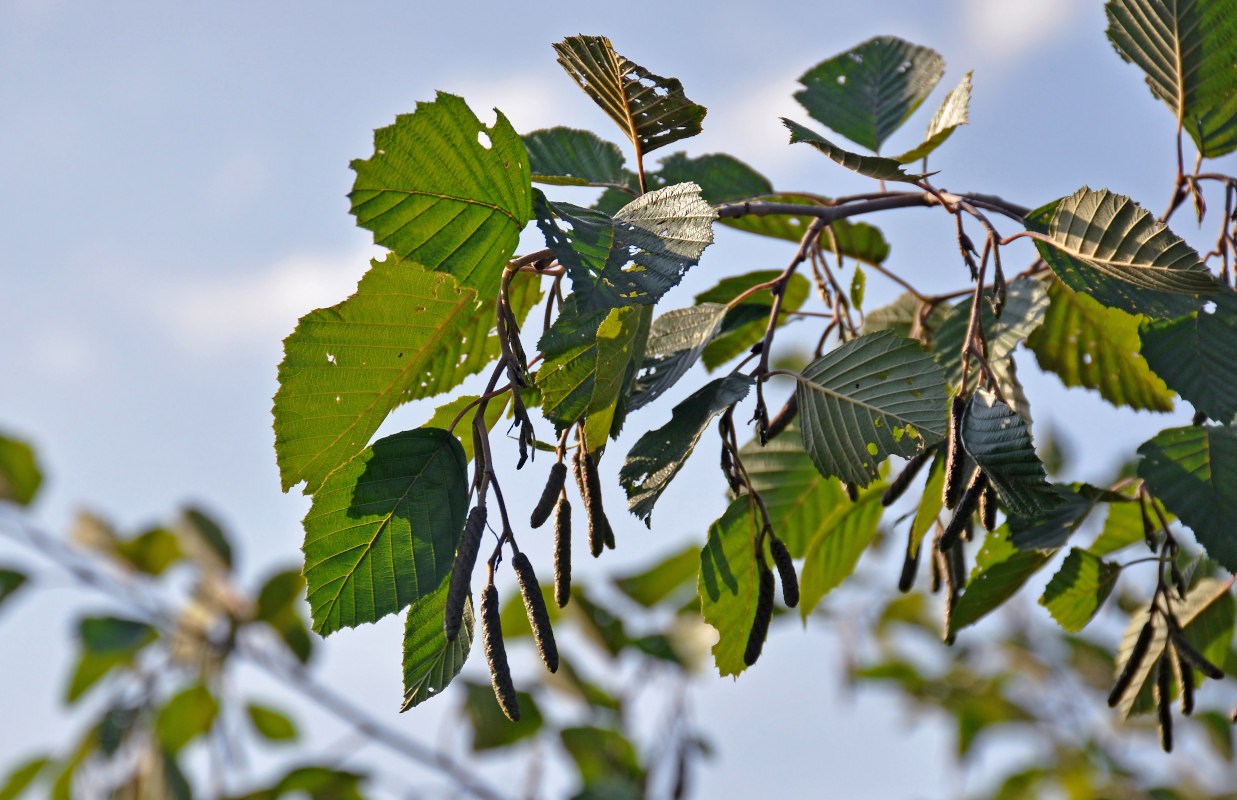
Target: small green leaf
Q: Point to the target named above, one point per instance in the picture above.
(10, 581)
(883, 169)
(1122, 527)
(189, 714)
(607, 761)
(658, 455)
(279, 606)
(205, 539)
(1197, 356)
(567, 157)
(314, 783)
(620, 340)
(430, 661)
(1079, 589)
(382, 530)
(650, 586)
(833, 553)
(858, 283)
(433, 194)
(151, 552)
(999, 440)
(1193, 471)
(21, 777)
(931, 502)
(1000, 571)
(270, 724)
(490, 727)
(866, 93)
(1088, 344)
(20, 475)
(676, 341)
(727, 585)
(951, 114)
(880, 390)
(900, 317)
(107, 643)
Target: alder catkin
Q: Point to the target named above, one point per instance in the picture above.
(988, 508)
(538, 614)
(562, 552)
(785, 571)
(1187, 683)
(962, 514)
(1190, 654)
(600, 534)
(461, 572)
(955, 456)
(496, 654)
(1164, 703)
(908, 473)
(1137, 652)
(549, 495)
(764, 615)
(910, 564)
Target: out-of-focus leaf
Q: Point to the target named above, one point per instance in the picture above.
(205, 539)
(1197, 356)
(744, 325)
(676, 340)
(279, 604)
(882, 169)
(490, 727)
(899, 317)
(315, 783)
(568, 157)
(1079, 588)
(999, 440)
(151, 552)
(189, 714)
(604, 757)
(382, 530)
(430, 661)
(1088, 344)
(727, 586)
(866, 93)
(650, 586)
(20, 475)
(433, 194)
(10, 581)
(271, 725)
(872, 397)
(1193, 471)
(107, 643)
(22, 776)
(833, 553)
(951, 113)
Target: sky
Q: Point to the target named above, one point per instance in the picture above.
(173, 183)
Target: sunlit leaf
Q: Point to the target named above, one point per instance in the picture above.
(999, 440)
(1000, 571)
(834, 551)
(621, 339)
(569, 371)
(433, 194)
(866, 93)
(932, 501)
(430, 661)
(382, 530)
(271, 725)
(727, 586)
(744, 325)
(20, 475)
(883, 169)
(1122, 527)
(568, 157)
(951, 114)
(445, 414)
(872, 397)
(21, 777)
(676, 341)
(1079, 588)
(650, 586)
(189, 714)
(1197, 356)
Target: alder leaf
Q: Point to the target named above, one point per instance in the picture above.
(744, 324)
(900, 315)
(1122, 527)
(866, 93)
(654, 584)
(833, 552)
(1088, 344)
(382, 530)
(10, 581)
(1025, 304)
(1197, 356)
(621, 337)
(883, 169)
(430, 661)
(951, 114)
(432, 193)
(658, 455)
(1193, 471)
(727, 584)
(651, 110)
(1079, 588)
(568, 157)
(20, 475)
(999, 440)
(676, 340)
(407, 333)
(444, 415)
(857, 240)
(872, 397)
(1000, 571)
(1108, 246)
(1187, 49)
(721, 178)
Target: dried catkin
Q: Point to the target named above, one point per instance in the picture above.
(538, 614)
(910, 564)
(1137, 652)
(988, 508)
(549, 495)
(785, 571)
(955, 456)
(1190, 654)
(764, 615)
(1164, 704)
(962, 514)
(1187, 683)
(496, 654)
(461, 572)
(908, 473)
(562, 552)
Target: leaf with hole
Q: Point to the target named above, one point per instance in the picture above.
(999, 440)
(1197, 355)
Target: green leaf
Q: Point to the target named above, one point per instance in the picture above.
(433, 194)
(932, 501)
(857, 240)
(1193, 471)
(20, 475)
(1108, 246)
(1079, 589)
(1197, 356)
(279, 604)
(637, 255)
(445, 414)
(568, 157)
(999, 440)
(490, 727)
(189, 714)
(676, 340)
(866, 93)
(1122, 527)
(605, 758)
(650, 586)
(1187, 49)
(1087, 344)
(151, 552)
(315, 783)
(569, 371)
(872, 397)
(382, 530)
(1025, 304)
(430, 661)
(407, 333)
(727, 585)
(1053, 528)
(833, 552)
(10, 581)
(107, 643)
(883, 169)
(21, 777)
(900, 315)
(658, 455)
(744, 325)
(802, 503)
(270, 724)
(621, 338)
(858, 283)
(1000, 571)
(651, 110)
(951, 114)
(205, 539)
(721, 178)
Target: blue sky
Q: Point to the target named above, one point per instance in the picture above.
(172, 199)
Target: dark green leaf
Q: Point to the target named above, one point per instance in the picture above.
(872, 397)
(883, 169)
(1000, 571)
(857, 240)
(658, 455)
(430, 661)
(20, 475)
(1025, 303)
(114, 635)
(271, 724)
(999, 440)
(1193, 471)
(189, 714)
(382, 530)
(721, 178)
(10, 581)
(727, 585)
(490, 727)
(1087, 344)
(866, 93)
(1079, 589)
(206, 539)
(650, 586)
(1053, 528)
(1187, 49)
(568, 157)
(602, 756)
(279, 606)
(1197, 356)
(951, 114)
(744, 325)
(834, 551)
(676, 341)
(433, 194)
(651, 110)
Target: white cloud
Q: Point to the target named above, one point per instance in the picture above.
(1007, 29)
